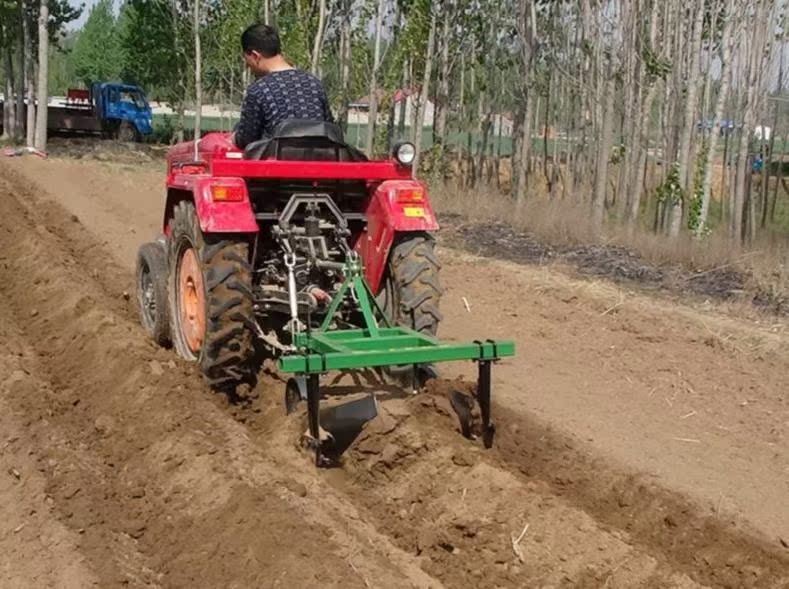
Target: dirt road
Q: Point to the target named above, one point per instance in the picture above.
(642, 442)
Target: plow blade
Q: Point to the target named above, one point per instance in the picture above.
(349, 415)
(344, 422)
(378, 344)
(338, 426)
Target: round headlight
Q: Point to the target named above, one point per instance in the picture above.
(405, 153)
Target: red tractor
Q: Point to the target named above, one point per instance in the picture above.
(301, 244)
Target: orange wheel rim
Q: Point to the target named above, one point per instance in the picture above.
(191, 298)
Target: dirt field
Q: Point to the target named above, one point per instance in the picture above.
(641, 442)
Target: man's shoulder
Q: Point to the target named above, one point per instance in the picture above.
(294, 74)
(284, 80)
(257, 86)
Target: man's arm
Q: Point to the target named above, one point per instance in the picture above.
(250, 126)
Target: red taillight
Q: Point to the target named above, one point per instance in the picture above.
(409, 195)
(222, 193)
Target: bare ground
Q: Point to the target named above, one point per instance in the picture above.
(724, 282)
(641, 443)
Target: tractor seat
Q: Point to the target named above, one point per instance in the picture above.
(304, 140)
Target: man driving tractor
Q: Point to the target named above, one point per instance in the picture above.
(280, 91)
(288, 243)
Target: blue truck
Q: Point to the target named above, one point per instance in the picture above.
(118, 111)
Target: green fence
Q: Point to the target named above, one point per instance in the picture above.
(356, 134)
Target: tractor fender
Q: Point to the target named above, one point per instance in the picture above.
(215, 216)
(389, 215)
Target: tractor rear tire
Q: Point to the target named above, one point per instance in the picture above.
(412, 290)
(410, 296)
(211, 301)
(152, 298)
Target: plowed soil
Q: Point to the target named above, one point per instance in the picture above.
(640, 442)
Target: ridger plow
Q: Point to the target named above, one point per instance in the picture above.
(302, 247)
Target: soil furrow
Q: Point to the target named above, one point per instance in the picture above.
(151, 480)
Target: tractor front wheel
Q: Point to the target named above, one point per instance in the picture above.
(211, 302)
(152, 292)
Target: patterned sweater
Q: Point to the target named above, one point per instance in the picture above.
(287, 94)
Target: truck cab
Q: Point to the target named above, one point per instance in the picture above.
(122, 108)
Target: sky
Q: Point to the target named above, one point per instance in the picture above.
(81, 20)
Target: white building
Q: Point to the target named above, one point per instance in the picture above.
(358, 111)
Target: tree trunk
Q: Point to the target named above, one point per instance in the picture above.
(759, 47)
(726, 158)
(641, 132)
(603, 153)
(706, 100)
(479, 159)
(546, 173)
(778, 177)
(723, 95)
(498, 151)
(442, 102)
(768, 163)
(317, 47)
(528, 32)
(416, 103)
(180, 122)
(198, 72)
(42, 91)
(693, 77)
(630, 131)
(19, 86)
(484, 131)
(181, 81)
(424, 93)
(740, 184)
(462, 97)
(345, 64)
(30, 124)
(750, 211)
(730, 174)
(390, 126)
(372, 114)
(9, 105)
(403, 101)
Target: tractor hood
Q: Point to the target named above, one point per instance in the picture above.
(209, 146)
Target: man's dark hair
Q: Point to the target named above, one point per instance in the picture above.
(261, 38)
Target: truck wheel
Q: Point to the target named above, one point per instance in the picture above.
(411, 288)
(127, 133)
(152, 292)
(211, 301)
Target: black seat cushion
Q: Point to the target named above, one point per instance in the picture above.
(304, 140)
